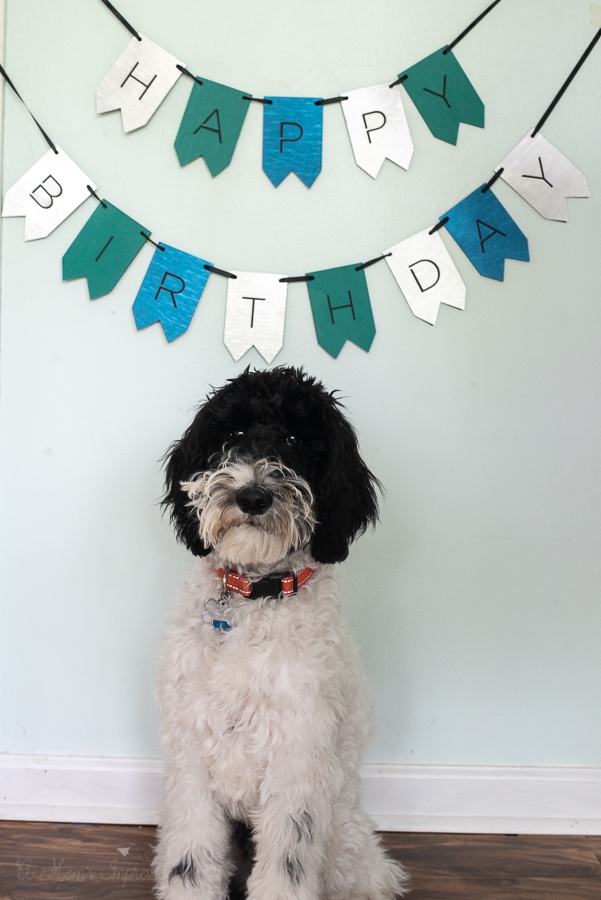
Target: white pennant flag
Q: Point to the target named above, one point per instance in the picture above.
(426, 274)
(543, 176)
(49, 192)
(138, 82)
(377, 126)
(255, 314)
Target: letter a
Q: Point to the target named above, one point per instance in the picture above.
(217, 130)
(486, 236)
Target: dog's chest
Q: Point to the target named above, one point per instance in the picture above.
(264, 691)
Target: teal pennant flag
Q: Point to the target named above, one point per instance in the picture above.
(341, 308)
(444, 95)
(171, 290)
(486, 233)
(104, 248)
(211, 125)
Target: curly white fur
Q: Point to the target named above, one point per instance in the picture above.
(267, 724)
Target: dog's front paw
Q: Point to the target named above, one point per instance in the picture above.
(294, 887)
(185, 881)
(178, 890)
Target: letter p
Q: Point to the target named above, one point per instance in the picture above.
(289, 140)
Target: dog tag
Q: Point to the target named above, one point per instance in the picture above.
(219, 614)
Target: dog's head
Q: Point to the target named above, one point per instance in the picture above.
(269, 465)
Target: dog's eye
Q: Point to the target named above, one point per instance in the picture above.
(277, 474)
(292, 440)
(236, 435)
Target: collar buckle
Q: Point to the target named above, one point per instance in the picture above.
(278, 585)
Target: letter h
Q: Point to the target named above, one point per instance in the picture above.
(348, 305)
(131, 75)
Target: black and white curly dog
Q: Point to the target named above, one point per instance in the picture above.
(263, 700)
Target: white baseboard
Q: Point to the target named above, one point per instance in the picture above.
(484, 800)
(461, 799)
(80, 789)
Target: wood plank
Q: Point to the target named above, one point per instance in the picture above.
(466, 888)
(595, 844)
(494, 856)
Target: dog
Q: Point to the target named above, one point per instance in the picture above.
(263, 701)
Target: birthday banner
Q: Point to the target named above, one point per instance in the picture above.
(341, 306)
(143, 75)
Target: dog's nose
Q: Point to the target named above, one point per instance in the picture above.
(254, 500)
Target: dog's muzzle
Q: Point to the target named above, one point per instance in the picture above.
(252, 512)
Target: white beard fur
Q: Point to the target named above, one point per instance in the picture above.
(258, 543)
(267, 724)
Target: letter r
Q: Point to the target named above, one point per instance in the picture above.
(171, 290)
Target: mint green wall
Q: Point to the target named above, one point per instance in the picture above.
(476, 602)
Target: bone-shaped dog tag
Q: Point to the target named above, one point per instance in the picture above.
(219, 614)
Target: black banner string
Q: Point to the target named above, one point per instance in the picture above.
(217, 271)
(293, 279)
(95, 195)
(150, 241)
(259, 100)
(495, 177)
(185, 71)
(121, 18)
(330, 100)
(371, 262)
(454, 43)
(4, 74)
(566, 83)
(469, 27)
(440, 225)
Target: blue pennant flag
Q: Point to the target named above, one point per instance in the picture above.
(292, 138)
(486, 233)
(171, 290)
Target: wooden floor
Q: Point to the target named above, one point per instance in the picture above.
(112, 862)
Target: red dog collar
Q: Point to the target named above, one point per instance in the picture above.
(285, 585)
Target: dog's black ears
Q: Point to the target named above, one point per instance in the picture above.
(345, 496)
(187, 457)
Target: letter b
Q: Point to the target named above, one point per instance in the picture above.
(43, 201)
